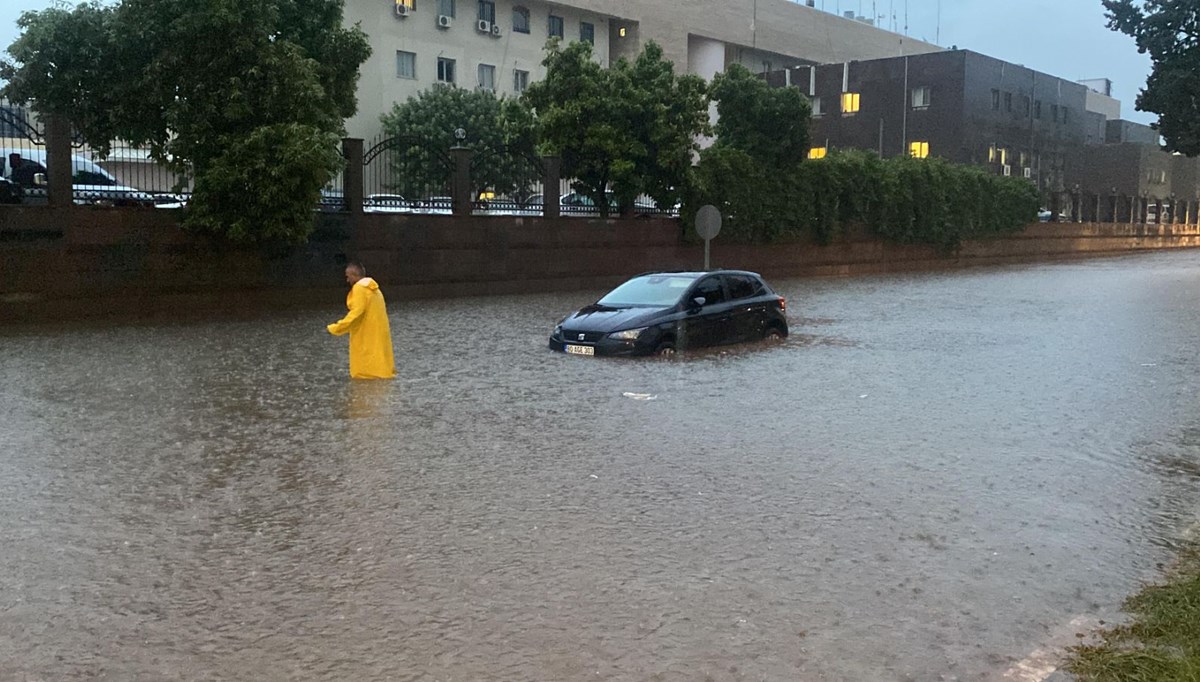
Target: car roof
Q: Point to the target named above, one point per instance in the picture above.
(696, 274)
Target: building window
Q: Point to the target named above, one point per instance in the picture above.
(1054, 112)
(487, 11)
(817, 109)
(920, 97)
(408, 5)
(918, 150)
(520, 20)
(996, 100)
(766, 66)
(556, 26)
(1008, 101)
(487, 77)
(850, 102)
(445, 8)
(1037, 109)
(587, 32)
(818, 152)
(992, 153)
(406, 64)
(1066, 113)
(520, 80)
(1025, 106)
(445, 70)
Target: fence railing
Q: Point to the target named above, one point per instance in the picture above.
(404, 174)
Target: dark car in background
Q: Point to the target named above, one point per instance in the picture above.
(659, 313)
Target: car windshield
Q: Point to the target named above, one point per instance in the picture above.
(648, 290)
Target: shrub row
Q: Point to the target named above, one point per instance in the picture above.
(911, 201)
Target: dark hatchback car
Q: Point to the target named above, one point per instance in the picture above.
(658, 313)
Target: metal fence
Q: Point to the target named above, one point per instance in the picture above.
(577, 204)
(406, 175)
(507, 181)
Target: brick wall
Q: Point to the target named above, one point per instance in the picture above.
(73, 263)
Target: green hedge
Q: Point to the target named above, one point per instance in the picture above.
(911, 201)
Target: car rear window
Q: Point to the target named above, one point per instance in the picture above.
(655, 290)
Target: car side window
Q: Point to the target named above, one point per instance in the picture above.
(710, 289)
(741, 286)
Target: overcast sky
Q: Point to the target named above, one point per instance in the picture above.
(1065, 38)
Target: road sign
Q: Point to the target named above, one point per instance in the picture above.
(708, 225)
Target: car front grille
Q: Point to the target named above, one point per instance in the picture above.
(572, 336)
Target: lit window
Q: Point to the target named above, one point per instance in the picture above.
(918, 150)
(487, 77)
(406, 64)
(445, 72)
(520, 20)
(621, 32)
(850, 102)
(446, 8)
(1003, 156)
(587, 32)
(818, 152)
(920, 98)
(817, 110)
(408, 5)
(520, 80)
(992, 154)
(556, 26)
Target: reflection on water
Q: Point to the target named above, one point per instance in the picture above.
(932, 473)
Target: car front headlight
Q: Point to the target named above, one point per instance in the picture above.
(628, 334)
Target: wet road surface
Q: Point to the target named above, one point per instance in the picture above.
(935, 475)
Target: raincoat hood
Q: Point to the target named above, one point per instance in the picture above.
(368, 282)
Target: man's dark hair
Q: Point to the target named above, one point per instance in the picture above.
(357, 267)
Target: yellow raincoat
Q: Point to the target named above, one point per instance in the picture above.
(370, 336)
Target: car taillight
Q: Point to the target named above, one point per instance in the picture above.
(783, 304)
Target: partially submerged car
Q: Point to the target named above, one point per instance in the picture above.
(660, 313)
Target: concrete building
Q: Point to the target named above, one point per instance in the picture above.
(959, 105)
(498, 44)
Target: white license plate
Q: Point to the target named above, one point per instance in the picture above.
(580, 350)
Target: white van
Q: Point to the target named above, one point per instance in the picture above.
(92, 185)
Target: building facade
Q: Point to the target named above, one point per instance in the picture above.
(955, 104)
(499, 44)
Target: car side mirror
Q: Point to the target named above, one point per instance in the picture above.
(697, 303)
(39, 180)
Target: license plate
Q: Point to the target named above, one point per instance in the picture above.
(580, 350)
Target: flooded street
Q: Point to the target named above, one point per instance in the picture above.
(930, 479)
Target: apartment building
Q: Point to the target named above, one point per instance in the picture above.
(499, 44)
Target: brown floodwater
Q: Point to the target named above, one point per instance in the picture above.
(929, 480)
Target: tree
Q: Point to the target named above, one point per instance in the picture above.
(630, 129)
(499, 130)
(1169, 31)
(769, 124)
(751, 170)
(202, 83)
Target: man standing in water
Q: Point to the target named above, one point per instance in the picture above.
(367, 324)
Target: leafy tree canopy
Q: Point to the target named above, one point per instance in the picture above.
(629, 129)
(769, 124)
(193, 80)
(499, 130)
(1169, 31)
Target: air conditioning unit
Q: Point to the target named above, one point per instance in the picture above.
(1007, 170)
(1027, 172)
(444, 21)
(496, 30)
(484, 26)
(402, 10)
